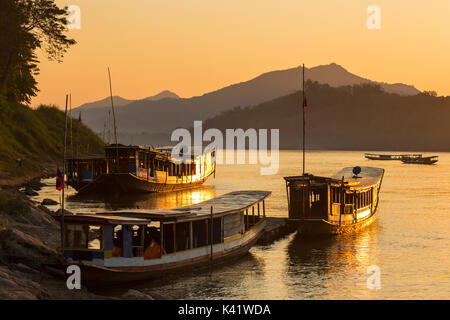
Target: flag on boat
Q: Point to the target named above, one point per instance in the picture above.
(305, 103)
(59, 180)
(79, 118)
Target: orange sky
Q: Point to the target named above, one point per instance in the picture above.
(195, 46)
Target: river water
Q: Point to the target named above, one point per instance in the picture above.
(409, 242)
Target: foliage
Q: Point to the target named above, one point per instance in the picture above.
(37, 136)
(28, 25)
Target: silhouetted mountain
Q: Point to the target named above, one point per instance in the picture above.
(163, 95)
(359, 117)
(164, 115)
(119, 101)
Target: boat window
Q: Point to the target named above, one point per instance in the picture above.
(117, 241)
(315, 197)
(168, 237)
(182, 236)
(137, 241)
(95, 237)
(152, 242)
(142, 158)
(79, 236)
(200, 233)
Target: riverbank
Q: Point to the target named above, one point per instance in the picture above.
(29, 237)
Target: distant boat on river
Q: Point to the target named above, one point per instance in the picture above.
(376, 156)
(421, 160)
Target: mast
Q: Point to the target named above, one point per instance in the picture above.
(71, 127)
(64, 175)
(303, 107)
(114, 119)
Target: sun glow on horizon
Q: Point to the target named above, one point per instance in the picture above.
(195, 47)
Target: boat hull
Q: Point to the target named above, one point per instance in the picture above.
(320, 227)
(128, 183)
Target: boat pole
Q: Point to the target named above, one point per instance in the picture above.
(114, 119)
(303, 107)
(63, 174)
(211, 234)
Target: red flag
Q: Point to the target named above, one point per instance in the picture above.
(79, 118)
(305, 103)
(59, 180)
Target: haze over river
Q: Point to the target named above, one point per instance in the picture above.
(409, 241)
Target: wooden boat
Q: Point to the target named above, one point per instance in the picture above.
(133, 169)
(376, 156)
(420, 160)
(133, 245)
(342, 203)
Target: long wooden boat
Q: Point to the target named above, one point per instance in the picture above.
(132, 169)
(376, 156)
(421, 160)
(132, 245)
(333, 205)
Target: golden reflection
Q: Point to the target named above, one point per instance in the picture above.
(163, 200)
(337, 265)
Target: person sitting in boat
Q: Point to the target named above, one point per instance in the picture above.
(117, 244)
(152, 244)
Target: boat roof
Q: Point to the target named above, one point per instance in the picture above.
(393, 154)
(368, 177)
(231, 202)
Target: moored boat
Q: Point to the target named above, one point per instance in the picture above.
(377, 156)
(420, 160)
(342, 203)
(131, 245)
(134, 169)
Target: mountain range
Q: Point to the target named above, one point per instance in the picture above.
(147, 117)
(358, 117)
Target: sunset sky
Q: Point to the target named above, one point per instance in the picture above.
(196, 46)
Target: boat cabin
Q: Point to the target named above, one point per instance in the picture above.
(85, 168)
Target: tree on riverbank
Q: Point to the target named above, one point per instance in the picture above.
(28, 25)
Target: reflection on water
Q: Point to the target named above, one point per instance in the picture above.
(97, 202)
(409, 241)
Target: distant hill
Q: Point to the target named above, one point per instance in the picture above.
(37, 137)
(154, 117)
(119, 101)
(359, 117)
